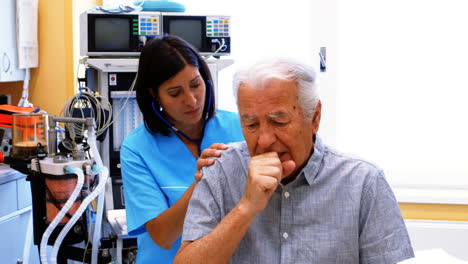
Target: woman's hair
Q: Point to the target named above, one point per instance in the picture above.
(261, 73)
(161, 59)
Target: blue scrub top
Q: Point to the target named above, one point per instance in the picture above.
(157, 170)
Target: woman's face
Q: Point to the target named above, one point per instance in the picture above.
(183, 97)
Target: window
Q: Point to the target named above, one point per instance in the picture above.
(403, 88)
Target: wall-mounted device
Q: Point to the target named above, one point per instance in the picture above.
(124, 34)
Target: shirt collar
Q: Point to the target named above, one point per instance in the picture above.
(311, 170)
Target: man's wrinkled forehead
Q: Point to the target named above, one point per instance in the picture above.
(274, 91)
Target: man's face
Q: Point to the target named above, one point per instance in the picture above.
(273, 120)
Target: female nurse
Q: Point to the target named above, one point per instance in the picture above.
(159, 159)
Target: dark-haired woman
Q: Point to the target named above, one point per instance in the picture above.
(159, 158)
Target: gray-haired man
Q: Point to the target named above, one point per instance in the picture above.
(283, 196)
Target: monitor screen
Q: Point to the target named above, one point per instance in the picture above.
(112, 34)
(188, 29)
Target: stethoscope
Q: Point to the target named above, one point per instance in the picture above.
(175, 130)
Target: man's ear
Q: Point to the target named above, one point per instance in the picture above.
(317, 117)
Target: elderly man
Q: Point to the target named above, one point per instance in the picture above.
(283, 196)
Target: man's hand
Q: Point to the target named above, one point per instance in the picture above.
(204, 159)
(265, 173)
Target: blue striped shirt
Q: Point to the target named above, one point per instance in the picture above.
(339, 209)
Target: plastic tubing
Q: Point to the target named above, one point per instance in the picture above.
(99, 189)
(61, 214)
(100, 204)
(94, 150)
(99, 213)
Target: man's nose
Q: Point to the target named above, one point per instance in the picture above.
(266, 137)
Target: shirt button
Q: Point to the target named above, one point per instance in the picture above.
(285, 235)
(286, 194)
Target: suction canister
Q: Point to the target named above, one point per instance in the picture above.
(28, 134)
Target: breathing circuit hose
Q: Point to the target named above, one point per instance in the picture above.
(61, 214)
(99, 189)
(100, 203)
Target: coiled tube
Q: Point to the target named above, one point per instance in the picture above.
(61, 214)
(99, 190)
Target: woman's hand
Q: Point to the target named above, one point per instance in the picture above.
(204, 159)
